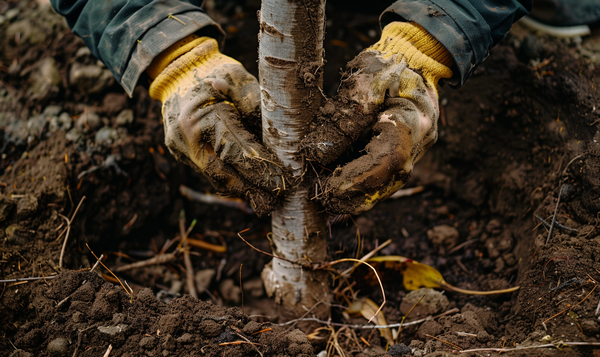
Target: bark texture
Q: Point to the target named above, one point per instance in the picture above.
(290, 66)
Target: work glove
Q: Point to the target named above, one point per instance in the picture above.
(390, 87)
(208, 102)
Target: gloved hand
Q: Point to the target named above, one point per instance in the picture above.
(390, 87)
(205, 96)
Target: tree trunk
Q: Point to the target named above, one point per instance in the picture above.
(290, 74)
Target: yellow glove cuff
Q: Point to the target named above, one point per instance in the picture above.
(178, 68)
(418, 47)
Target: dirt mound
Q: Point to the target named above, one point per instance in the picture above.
(87, 315)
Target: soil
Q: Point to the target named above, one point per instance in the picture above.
(519, 140)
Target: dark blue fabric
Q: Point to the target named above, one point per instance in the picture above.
(467, 28)
(116, 31)
(127, 34)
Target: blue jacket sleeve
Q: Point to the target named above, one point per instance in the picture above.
(128, 34)
(467, 28)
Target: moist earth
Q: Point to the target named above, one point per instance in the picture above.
(518, 141)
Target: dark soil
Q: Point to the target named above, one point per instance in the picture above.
(522, 131)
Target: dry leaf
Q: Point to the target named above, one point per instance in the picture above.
(367, 309)
(417, 275)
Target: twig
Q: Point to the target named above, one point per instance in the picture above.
(370, 267)
(97, 262)
(199, 243)
(17, 280)
(558, 225)
(193, 195)
(107, 353)
(564, 172)
(339, 324)
(462, 245)
(466, 334)
(157, 260)
(81, 332)
(266, 253)
(189, 267)
(557, 345)
(446, 342)
(570, 308)
(555, 212)
(68, 230)
(407, 192)
(367, 257)
(409, 311)
(237, 332)
(241, 288)
(129, 292)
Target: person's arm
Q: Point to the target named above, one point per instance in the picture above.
(467, 28)
(126, 35)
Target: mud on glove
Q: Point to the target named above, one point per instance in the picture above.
(205, 97)
(390, 87)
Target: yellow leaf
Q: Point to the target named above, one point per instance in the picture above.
(417, 275)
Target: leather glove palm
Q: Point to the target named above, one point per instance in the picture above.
(390, 87)
(205, 95)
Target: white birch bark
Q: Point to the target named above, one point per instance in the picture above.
(290, 75)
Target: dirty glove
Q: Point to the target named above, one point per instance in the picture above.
(205, 96)
(390, 87)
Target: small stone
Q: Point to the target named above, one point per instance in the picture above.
(2, 20)
(204, 278)
(229, 291)
(11, 14)
(400, 350)
(77, 317)
(252, 327)
(30, 33)
(58, 347)
(499, 265)
(185, 338)
(48, 74)
(433, 303)
(36, 126)
(90, 78)
(74, 135)
(88, 122)
(147, 342)
(112, 330)
(170, 343)
(52, 110)
(254, 288)
(62, 122)
(15, 234)
(590, 327)
(125, 117)
(83, 51)
(444, 236)
(106, 136)
(26, 206)
(494, 226)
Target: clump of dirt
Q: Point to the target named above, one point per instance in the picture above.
(88, 315)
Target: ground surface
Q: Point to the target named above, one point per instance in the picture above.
(523, 129)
